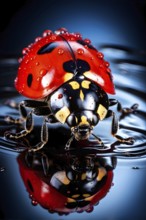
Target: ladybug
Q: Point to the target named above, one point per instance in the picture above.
(66, 80)
(65, 187)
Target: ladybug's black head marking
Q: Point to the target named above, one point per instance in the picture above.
(82, 66)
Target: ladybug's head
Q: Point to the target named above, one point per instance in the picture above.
(82, 132)
(82, 124)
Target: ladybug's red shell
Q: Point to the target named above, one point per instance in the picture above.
(42, 69)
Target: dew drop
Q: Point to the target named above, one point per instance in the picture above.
(25, 51)
(30, 196)
(80, 51)
(27, 61)
(100, 55)
(61, 31)
(87, 41)
(47, 33)
(30, 45)
(43, 72)
(106, 64)
(37, 63)
(37, 39)
(60, 51)
(60, 96)
(108, 70)
(34, 202)
(78, 35)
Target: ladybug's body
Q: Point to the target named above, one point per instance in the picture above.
(68, 79)
(81, 104)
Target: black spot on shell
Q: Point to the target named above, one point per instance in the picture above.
(47, 48)
(84, 43)
(29, 80)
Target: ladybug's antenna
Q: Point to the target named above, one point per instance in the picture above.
(72, 53)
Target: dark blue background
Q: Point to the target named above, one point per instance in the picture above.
(112, 22)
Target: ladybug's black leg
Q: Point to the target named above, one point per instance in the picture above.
(28, 128)
(33, 103)
(45, 111)
(124, 111)
(44, 139)
(42, 111)
(20, 120)
(98, 139)
(39, 108)
(114, 130)
(67, 146)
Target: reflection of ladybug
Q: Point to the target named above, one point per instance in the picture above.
(69, 81)
(66, 188)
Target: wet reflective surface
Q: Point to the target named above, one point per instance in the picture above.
(87, 180)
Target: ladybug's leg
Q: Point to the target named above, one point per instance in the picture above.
(98, 139)
(28, 128)
(114, 130)
(22, 109)
(33, 103)
(20, 120)
(67, 146)
(124, 111)
(44, 139)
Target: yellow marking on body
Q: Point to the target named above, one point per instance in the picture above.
(83, 176)
(68, 76)
(75, 196)
(62, 114)
(61, 176)
(70, 200)
(85, 84)
(86, 195)
(89, 198)
(102, 111)
(75, 84)
(84, 120)
(81, 95)
(101, 173)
